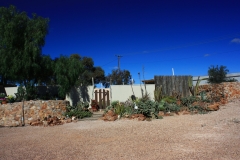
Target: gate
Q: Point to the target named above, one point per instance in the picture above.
(102, 98)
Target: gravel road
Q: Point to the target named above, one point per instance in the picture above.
(215, 135)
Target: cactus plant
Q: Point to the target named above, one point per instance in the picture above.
(194, 89)
(158, 94)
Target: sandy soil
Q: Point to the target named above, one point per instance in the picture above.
(211, 136)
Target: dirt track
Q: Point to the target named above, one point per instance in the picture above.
(210, 136)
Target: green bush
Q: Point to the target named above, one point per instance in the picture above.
(11, 99)
(77, 111)
(172, 107)
(217, 74)
(161, 105)
(114, 103)
(21, 92)
(128, 110)
(186, 101)
(82, 105)
(119, 110)
(148, 108)
(169, 99)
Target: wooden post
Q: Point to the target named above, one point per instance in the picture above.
(108, 101)
(104, 95)
(96, 97)
(23, 119)
(100, 98)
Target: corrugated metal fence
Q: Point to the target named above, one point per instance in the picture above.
(173, 84)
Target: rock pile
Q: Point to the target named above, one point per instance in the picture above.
(223, 92)
(110, 116)
(52, 121)
(11, 113)
(139, 117)
(213, 107)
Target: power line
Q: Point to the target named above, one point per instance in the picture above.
(177, 47)
(186, 45)
(181, 58)
(118, 56)
(108, 62)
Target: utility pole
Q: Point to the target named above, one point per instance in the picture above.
(118, 61)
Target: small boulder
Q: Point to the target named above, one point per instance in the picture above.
(161, 113)
(142, 118)
(213, 107)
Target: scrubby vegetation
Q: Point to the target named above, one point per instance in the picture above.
(79, 111)
(166, 105)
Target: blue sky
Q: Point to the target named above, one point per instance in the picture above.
(156, 35)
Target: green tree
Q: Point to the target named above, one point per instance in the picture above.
(46, 77)
(217, 74)
(75, 55)
(67, 72)
(97, 73)
(21, 42)
(118, 77)
(11, 30)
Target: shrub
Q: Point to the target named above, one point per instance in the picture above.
(128, 110)
(161, 106)
(77, 111)
(169, 99)
(148, 108)
(172, 107)
(217, 74)
(21, 92)
(129, 103)
(83, 105)
(11, 98)
(146, 97)
(186, 101)
(119, 109)
(158, 94)
(114, 103)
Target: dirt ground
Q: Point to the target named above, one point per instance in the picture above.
(215, 135)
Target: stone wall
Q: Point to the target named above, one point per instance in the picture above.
(227, 91)
(11, 113)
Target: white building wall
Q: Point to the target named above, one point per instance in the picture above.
(123, 92)
(11, 90)
(117, 92)
(80, 94)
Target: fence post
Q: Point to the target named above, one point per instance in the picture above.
(108, 101)
(104, 95)
(96, 97)
(100, 98)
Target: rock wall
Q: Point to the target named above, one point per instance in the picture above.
(226, 91)
(11, 113)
